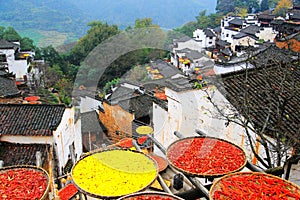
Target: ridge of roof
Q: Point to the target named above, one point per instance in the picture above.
(30, 120)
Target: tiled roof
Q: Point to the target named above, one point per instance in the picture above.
(242, 35)
(209, 33)
(266, 16)
(183, 50)
(265, 93)
(30, 120)
(120, 94)
(236, 21)
(22, 154)
(179, 84)
(90, 122)
(194, 55)
(183, 39)
(8, 88)
(251, 30)
(222, 43)
(7, 45)
(217, 29)
(166, 69)
(295, 36)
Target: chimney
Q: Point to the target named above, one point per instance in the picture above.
(38, 156)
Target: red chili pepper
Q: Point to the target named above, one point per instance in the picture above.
(125, 143)
(22, 184)
(149, 197)
(246, 186)
(67, 192)
(141, 140)
(206, 156)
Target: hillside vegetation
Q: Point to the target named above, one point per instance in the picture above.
(56, 22)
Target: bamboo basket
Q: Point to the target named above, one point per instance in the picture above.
(149, 195)
(201, 175)
(115, 196)
(217, 184)
(31, 167)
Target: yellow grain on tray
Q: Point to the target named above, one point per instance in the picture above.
(114, 173)
(144, 130)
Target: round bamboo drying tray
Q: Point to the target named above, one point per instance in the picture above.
(178, 144)
(217, 186)
(101, 194)
(150, 195)
(30, 167)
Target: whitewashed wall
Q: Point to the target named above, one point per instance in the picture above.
(27, 139)
(205, 41)
(190, 110)
(88, 104)
(227, 34)
(245, 41)
(190, 44)
(65, 135)
(267, 34)
(19, 67)
(10, 55)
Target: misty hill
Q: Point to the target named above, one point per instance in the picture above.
(166, 13)
(61, 21)
(40, 19)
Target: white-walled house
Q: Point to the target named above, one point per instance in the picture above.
(88, 104)
(42, 124)
(266, 34)
(231, 26)
(186, 42)
(18, 62)
(251, 19)
(206, 37)
(188, 110)
(241, 40)
(180, 45)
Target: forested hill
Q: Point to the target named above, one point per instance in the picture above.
(43, 19)
(58, 21)
(166, 13)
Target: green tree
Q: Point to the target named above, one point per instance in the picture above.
(144, 23)
(251, 5)
(264, 5)
(187, 29)
(229, 6)
(64, 87)
(11, 34)
(202, 21)
(225, 6)
(282, 7)
(2, 29)
(97, 33)
(27, 43)
(50, 55)
(273, 3)
(243, 12)
(52, 75)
